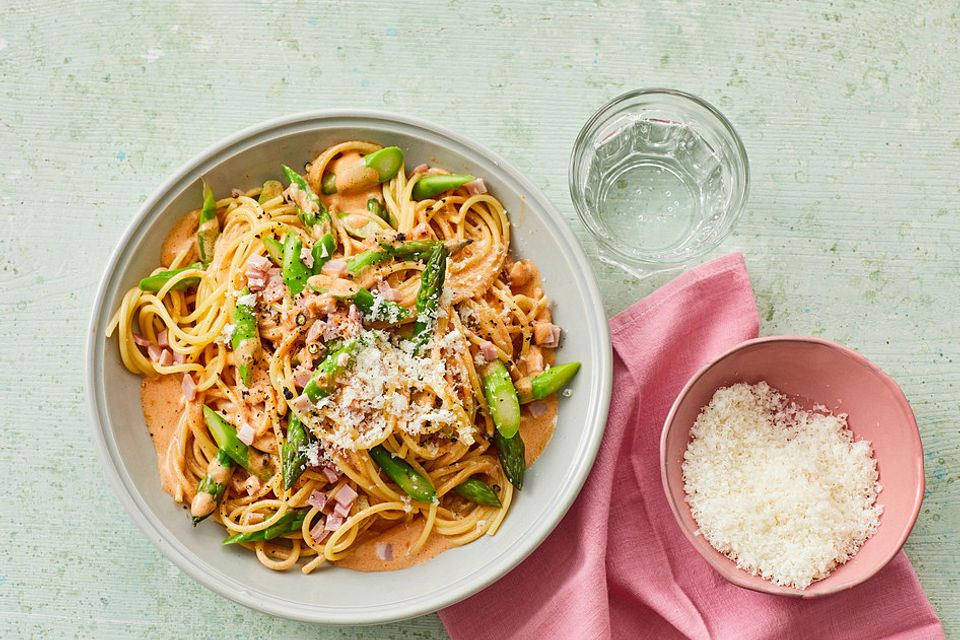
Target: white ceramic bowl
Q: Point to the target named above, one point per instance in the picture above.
(337, 595)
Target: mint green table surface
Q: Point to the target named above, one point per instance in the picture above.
(849, 113)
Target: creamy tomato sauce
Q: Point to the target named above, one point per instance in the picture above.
(355, 184)
(182, 236)
(160, 398)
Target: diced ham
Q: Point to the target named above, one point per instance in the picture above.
(236, 483)
(534, 361)
(154, 352)
(315, 332)
(255, 275)
(336, 268)
(388, 293)
(475, 187)
(140, 340)
(162, 339)
(393, 295)
(331, 331)
(274, 289)
(334, 521)
(317, 304)
(301, 404)
(384, 551)
(354, 315)
(318, 499)
(166, 358)
(188, 387)
(538, 408)
(332, 473)
(346, 496)
(421, 167)
(319, 531)
(252, 518)
(301, 376)
(306, 258)
(257, 262)
(488, 351)
(524, 386)
(341, 510)
(246, 434)
(252, 485)
(520, 273)
(179, 358)
(256, 270)
(546, 334)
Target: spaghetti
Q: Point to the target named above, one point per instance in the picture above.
(316, 329)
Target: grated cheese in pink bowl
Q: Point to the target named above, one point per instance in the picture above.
(785, 493)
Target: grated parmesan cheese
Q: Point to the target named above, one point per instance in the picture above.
(785, 493)
(226, 334)
(377, 394)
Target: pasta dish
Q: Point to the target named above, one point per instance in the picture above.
(347, 366)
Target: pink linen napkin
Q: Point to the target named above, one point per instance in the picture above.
(617, 565)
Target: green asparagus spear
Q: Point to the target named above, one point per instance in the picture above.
(209, 227)
(293, 452)
(310, 210)
(295, 273)
(412, 250)
(329, 184)
(274, 249)
(479, 492)
(211, 486)
(245, 339)
(290, 522)
(386, 162)
(511, 453)
(270, 190)
(226, 437)
(155, 282)
(385, 311)
(502, 398)
(551, 380)
(366, 259)
(325, 377)
(322, 251)
(428, 296)
(409, 250)
(432, 186)
(380, 210)
(406, 477)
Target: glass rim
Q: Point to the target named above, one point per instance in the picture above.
(587, 217)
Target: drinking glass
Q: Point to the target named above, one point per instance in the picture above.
(659, 177)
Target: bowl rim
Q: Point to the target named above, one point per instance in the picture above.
(557, 507)
(739, 576)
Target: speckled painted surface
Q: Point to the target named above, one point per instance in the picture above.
(849, 113)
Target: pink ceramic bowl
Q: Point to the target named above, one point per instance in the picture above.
(811, 371)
